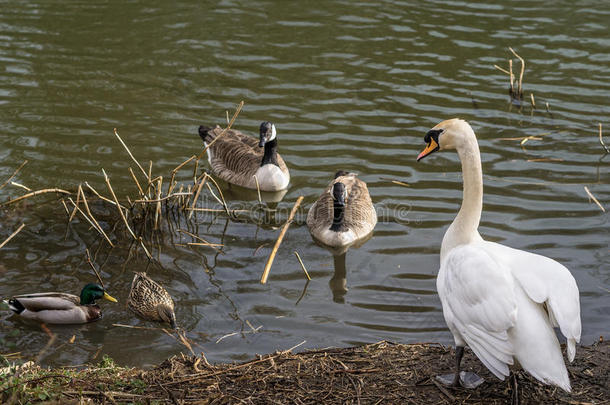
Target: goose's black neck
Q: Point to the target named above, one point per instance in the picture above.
(338, 224)
(270, 156)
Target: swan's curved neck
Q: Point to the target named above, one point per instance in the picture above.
(464, 227)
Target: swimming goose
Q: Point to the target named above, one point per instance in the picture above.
(150, 300)
(501, 302)
(237, 158)
(344, 213)
(60, 308)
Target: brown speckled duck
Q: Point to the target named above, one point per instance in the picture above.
(149, 300)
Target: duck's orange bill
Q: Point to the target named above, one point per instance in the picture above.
(432, 146)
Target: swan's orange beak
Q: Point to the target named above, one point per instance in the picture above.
(432, 147)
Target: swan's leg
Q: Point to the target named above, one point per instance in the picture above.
(453, 380)
(464, 379)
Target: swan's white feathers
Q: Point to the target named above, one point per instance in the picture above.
(546, 281)
(479, 294)
(502, 302)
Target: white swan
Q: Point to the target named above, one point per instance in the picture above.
(501, 302)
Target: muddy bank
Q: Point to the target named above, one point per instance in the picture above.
(378, 373)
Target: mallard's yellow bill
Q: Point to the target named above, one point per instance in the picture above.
(432, 146)
(109, 297)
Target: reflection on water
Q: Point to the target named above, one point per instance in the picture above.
(350, 86)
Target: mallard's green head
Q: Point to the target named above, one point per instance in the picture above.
(92, 292)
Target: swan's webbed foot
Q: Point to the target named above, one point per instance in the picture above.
(466, 379)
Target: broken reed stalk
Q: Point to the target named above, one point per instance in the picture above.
(14, 174)
(93, 268)
(35, 193)
(533, 101)
(199, 188)
(135, 180)
(592, 197)
(522, 71)
(302, 265)
(224, 203)
(279, 240)
(13, 183)
(122, 214)
(75, 205)
(12, 236)
(510, 69)
(237, 110)
(99, 228)
(258, 190)
(94, 191)
(180, 166)
(158, 209)
(601, 140)
(130, 154)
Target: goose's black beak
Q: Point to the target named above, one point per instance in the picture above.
(262, 142)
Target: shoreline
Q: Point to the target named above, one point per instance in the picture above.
(382, 372)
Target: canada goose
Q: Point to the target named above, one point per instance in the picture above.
(150, 300)
(60, 308)
(343, 213)
(237, 158)
(501, 302)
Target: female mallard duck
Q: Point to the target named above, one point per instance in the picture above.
(344, 213)
(501, 302)
(237, 158)
(61, 308)
(150, 300)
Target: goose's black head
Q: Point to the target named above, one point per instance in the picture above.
(339, 193)
(267, 133)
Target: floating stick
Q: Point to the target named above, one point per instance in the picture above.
(601, 139)
(35, 193)
(130, 154)
(302, 265)
(279, 240)
(14, 174)
(12, 236)
(592, 197)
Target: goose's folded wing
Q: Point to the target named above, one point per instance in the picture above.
(545, 281)
(48, 301)
(479, 301)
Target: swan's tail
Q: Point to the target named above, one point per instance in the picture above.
(535, 343)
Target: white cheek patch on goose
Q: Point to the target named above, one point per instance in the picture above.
(273, 133)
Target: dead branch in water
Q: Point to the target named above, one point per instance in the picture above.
(14, 174)
(601, 140)
(279, 240)
(592, 197)
(11, 236)
(35, 193)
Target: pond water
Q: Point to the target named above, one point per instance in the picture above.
(349, 85)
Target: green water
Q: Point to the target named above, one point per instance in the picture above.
(349, 85)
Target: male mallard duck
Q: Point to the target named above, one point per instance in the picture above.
(237, 158)
(150, 300)
(61, 308)
(344, 213)
(500, 301)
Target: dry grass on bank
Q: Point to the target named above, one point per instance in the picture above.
(380, 373)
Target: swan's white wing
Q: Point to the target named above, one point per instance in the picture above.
(545, 281)
(479, 303)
